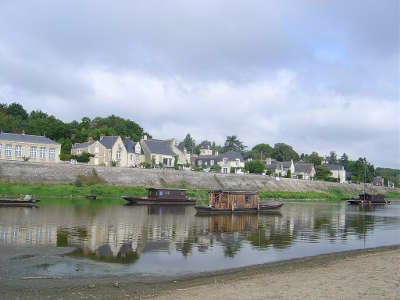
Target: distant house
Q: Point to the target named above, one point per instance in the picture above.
(162, 153)
(303, 170)
(135, 154)
(94, 148)
(115, 151)
(337, 171)
(279, 168)
(35, 148)
(205, 148)
(378, 181)
(229, 162)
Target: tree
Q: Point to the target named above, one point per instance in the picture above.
(232, 143)
(254, 166)
(283, 152)
(344, 160)
(261, 151)
(16, 110)
(332, 158)
(189, 143)
(289, 174)
(312, 158)
(322, 173)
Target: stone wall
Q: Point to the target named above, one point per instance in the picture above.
(67, 173)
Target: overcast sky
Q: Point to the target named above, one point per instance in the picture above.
(318, 75)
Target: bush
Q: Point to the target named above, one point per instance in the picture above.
(91, 179)
(215, 168)
(254, 166)
(82, 158)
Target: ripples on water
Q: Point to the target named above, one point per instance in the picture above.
(161, 240)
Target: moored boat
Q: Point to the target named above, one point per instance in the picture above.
(161, 196)
(368, 199)
(27, 201)
(230, 201)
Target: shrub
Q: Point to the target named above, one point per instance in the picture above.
(254, 166)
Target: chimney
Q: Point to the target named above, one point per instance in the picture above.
(90, 139)
(145, 137)
(23, 132)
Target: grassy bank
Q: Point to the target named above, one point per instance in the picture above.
(392, 195)
(331, 195)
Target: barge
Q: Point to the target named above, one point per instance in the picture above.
(27, 201)
(161, 196)
(368, 199)
(228, 202)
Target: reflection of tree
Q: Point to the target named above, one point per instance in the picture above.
(103, 253)
(360, 223)
(265, 237)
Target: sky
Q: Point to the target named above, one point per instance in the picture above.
(318, 75)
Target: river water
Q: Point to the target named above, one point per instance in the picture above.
(162, 241)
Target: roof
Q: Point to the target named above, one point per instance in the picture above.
(129, 145)
(286, 164)
(208, 158)
(108, 141)
(181, 146)
(303, 167)
(234, 191)
(165, 189)
(26, 138)
(232, 155)
(205, 145)
(82, 145)
(334, 167)
(159, 146)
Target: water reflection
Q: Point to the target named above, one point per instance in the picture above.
(120, 234)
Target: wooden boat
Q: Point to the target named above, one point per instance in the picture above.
(27, 201)
(161, 196)
(368, 199)
(228, 202)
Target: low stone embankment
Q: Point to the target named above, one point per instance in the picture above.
(67, 173)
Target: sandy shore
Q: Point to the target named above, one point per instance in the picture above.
(373, 274)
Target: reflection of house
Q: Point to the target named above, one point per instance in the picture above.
(337, 171)
(109, 149)
(279, 168)
(162, 153)
(34, 148)
(229, 162)
(303, 170)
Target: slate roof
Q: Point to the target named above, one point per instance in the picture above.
(208, 158)
(181, 146)
(303, 167)
(26, 138)
(334, 167)
(232, 155)
(286, 164)
(82, 145)
(108, 141)
(273, 165)
(159, 146)
(129, 145)
(205, 145)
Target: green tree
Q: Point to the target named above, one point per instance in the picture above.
(322, 173)
(17, 110)
(254, 166)
(332, 158)
(312, 158)
(189, 143)
(232, 143)
(284, 152)
(261, 151)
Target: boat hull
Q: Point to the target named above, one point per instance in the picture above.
(10, 202)
(263, 208)
(147, 201)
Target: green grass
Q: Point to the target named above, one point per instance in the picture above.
(331, 195)
(392, 195)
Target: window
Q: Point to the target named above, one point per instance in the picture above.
(96, 149)
(52, 154)
(211, 162)
(199, 162)
(42, 153)
(1, 149)
(118, 155)
(247, 198)
(8, 150)
(131, 156)
(79, 151)
(32, 152)
(18, 151)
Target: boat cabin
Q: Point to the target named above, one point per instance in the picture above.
(226, 199)
(166, 194)
(372, 198)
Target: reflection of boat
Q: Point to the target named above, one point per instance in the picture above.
(164, 210)
(27, 201)
(161, 196)
(368, 199)
(227, 202)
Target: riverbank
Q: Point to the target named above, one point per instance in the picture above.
(367, 274)
(61, 193)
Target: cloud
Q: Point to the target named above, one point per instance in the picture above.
(318, 76)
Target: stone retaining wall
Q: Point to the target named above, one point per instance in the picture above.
(67, 173)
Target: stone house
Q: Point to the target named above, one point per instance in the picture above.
(303, 170)
(162, 153)
(97, 149)
(279, 168)
(134, 152)
(229, 162)
(337, 171)
(34, 148)
(205, 148)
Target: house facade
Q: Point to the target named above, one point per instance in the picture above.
(303, 170)
(162, 153)
(228, 162)
(24, 147)
(337, 171)
(279, 168)
(205, 148)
